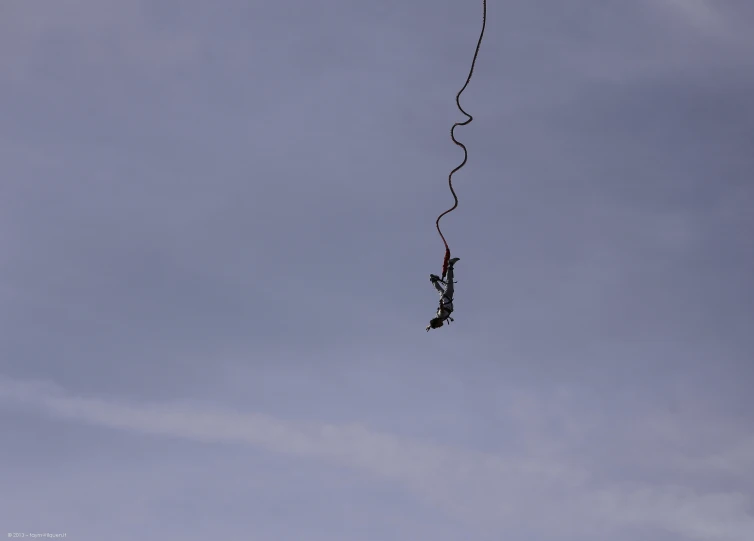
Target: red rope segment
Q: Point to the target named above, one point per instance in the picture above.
(452, 136)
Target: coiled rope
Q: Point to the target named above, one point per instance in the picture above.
(452, 136)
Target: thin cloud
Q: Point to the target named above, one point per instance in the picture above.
(700, 13)
(486, 490)
(95, 34)
(710, 18)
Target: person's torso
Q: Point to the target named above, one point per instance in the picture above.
(446, 307)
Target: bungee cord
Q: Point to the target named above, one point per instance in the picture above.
(452, 136)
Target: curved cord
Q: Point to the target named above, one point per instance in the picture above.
(452, 136)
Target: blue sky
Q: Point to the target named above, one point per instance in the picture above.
(217, 227)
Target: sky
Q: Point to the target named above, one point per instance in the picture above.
(217, 229)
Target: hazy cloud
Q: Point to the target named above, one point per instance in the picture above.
(217, 225)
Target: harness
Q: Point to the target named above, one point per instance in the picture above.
(444, 307)
(446, 317)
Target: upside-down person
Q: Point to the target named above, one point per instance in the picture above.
(446, 297)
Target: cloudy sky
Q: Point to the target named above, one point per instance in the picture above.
(217, 227)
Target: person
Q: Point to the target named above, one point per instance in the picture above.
(446, 297)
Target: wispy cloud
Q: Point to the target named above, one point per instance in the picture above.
(710, 18)
(92, 33)
(488, 490)
(702, 14)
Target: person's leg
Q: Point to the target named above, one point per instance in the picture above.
(449, 289)
(437, 285)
